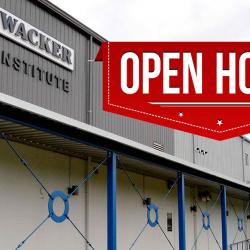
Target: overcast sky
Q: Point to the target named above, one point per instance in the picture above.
(163, 20)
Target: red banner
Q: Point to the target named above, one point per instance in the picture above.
(197, 87)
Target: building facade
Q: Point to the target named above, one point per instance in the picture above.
(55, 135)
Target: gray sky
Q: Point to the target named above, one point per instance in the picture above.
(163, 20)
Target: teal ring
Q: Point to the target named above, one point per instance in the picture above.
(155, 209)
(52, 214)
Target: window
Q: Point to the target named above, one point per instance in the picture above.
(246, 160)
(169, 222)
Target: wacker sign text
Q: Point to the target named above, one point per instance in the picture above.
(198, 87)
(25, 34)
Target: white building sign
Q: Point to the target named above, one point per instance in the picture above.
(32, 38)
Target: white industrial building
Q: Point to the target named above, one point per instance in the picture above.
(55, 136)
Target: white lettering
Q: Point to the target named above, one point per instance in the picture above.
(124, 73)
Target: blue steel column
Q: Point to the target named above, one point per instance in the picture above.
(111, 206)
(223, 200)
(181, 211)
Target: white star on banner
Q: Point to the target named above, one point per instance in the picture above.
(181, 114)
(219, 122)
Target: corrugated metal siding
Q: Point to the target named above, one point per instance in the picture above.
(222, 156)
(246, 150)
(139, 131)
(184, 145)
(29, 89)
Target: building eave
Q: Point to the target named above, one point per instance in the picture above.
(65, 17)
(34, 116)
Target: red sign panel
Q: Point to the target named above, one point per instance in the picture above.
(197, 87)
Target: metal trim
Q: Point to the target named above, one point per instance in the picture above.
(50, 7)
(34, 116)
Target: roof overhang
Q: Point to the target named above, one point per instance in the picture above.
(65, 17)
(60, 126)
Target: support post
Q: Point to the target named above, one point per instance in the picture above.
(111, 206)
(223, 200)
(181, 211)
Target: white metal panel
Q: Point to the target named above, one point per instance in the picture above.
(246, 163)
(221, 156)
(183, 144)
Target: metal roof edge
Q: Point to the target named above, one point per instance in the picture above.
(118, 143)
(69, 19)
